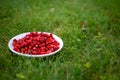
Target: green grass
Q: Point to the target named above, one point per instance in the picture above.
(90, 54)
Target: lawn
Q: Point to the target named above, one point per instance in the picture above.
(90, 30)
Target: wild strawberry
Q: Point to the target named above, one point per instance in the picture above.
(34, 52)
(14, 40)
(27, 36)
(36, 43)
(42, 39)
(42, 52)
(51, 35)
(56, 48)
(49, 51)
(16, 49)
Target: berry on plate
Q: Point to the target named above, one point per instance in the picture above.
(36, 44)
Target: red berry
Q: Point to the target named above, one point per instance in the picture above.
(36, 43)
(15, 40)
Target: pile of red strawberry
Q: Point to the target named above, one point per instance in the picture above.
(36, 43)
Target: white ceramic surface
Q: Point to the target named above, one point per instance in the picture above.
(29, 55)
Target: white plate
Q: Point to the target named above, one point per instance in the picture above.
(29, 55)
